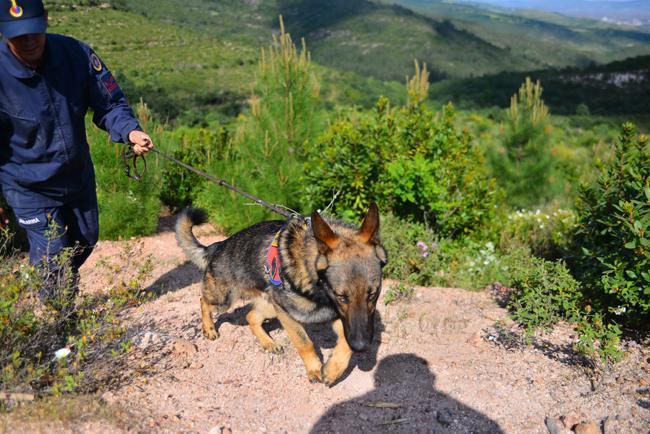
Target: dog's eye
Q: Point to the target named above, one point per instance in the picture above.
(342, 298)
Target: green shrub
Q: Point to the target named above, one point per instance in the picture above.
(268, 143)
(127, 207)
(523, 165)
(546, 234)
(611, 252)
(50, 348)
(418, 257)
(414, 163)
(544, 292)
(196, 147)
(398, 292)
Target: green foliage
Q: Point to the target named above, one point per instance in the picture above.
(545, 234)
(196, 147)
(126, 207)
(599, 339)
(397, 293)
(49, 348)
(612, 238)
(545, 292)
(268, 145)
(524, 162)
(415, 163)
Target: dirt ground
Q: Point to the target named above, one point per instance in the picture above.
(448, 360)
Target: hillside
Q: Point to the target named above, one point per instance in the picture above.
(381, 39)
(197, 63)
(615, 88)
(183, 73)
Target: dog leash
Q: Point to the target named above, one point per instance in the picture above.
(136, 171)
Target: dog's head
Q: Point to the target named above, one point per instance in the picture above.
(350, 264)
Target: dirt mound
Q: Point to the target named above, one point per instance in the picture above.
(448, 360)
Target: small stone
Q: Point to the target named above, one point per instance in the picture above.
(184, 347)
(569, 421)
(445, 417)
(475, 339)
(196, 365)
(553, 425)
(587, 428)
(109, 398)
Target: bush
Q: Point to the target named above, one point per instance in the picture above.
(611, 250)
(268, 143)
(546, 234)
(545, 292)
(48, 348)
(415, 164)
(196, 147)
(127, 207)
(523, 165)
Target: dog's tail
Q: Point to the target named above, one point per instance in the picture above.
(195, 251)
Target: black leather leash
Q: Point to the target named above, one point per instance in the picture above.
(136, 170)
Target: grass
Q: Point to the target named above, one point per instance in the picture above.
(174, 69)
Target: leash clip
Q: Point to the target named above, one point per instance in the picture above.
(130, 161)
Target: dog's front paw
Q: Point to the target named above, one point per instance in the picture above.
(314, 375)
(332, 371)
(210, 334)
(273, 348)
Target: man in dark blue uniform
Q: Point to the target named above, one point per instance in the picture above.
(47, 84)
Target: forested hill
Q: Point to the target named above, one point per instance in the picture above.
(381, 38)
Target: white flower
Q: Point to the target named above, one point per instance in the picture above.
(61, 354)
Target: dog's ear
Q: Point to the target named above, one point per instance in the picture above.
(370, 226)
(327, 239)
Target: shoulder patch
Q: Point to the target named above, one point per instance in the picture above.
(96, 63)
(109, 83)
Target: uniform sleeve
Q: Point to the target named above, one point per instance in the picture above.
(111, 110)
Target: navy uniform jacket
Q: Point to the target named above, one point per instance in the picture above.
(44, 155)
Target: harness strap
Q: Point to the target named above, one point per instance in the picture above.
(273, 264)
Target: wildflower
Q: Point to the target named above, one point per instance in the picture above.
(61, 354)
(425, 249)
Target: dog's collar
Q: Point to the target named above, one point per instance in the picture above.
(273, 263)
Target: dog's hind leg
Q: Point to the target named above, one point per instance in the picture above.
(340, 358)
(303, 344)
(261, 311)
(215, 297)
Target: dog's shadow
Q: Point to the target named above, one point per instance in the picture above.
(321, 334)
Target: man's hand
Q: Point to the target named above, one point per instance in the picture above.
(142, 143)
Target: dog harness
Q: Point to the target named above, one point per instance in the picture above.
(273, 265)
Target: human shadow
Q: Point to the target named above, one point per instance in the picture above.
(405, 401)
(180, 277)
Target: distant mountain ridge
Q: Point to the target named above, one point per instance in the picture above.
(620, 10)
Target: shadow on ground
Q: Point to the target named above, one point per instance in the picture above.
(180, 277)
(321, 334)
(404, 400)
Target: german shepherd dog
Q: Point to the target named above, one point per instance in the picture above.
(330, 272)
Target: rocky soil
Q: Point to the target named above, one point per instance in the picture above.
(448, 360)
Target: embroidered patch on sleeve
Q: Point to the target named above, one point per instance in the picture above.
(109, 83)
(96, 63)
